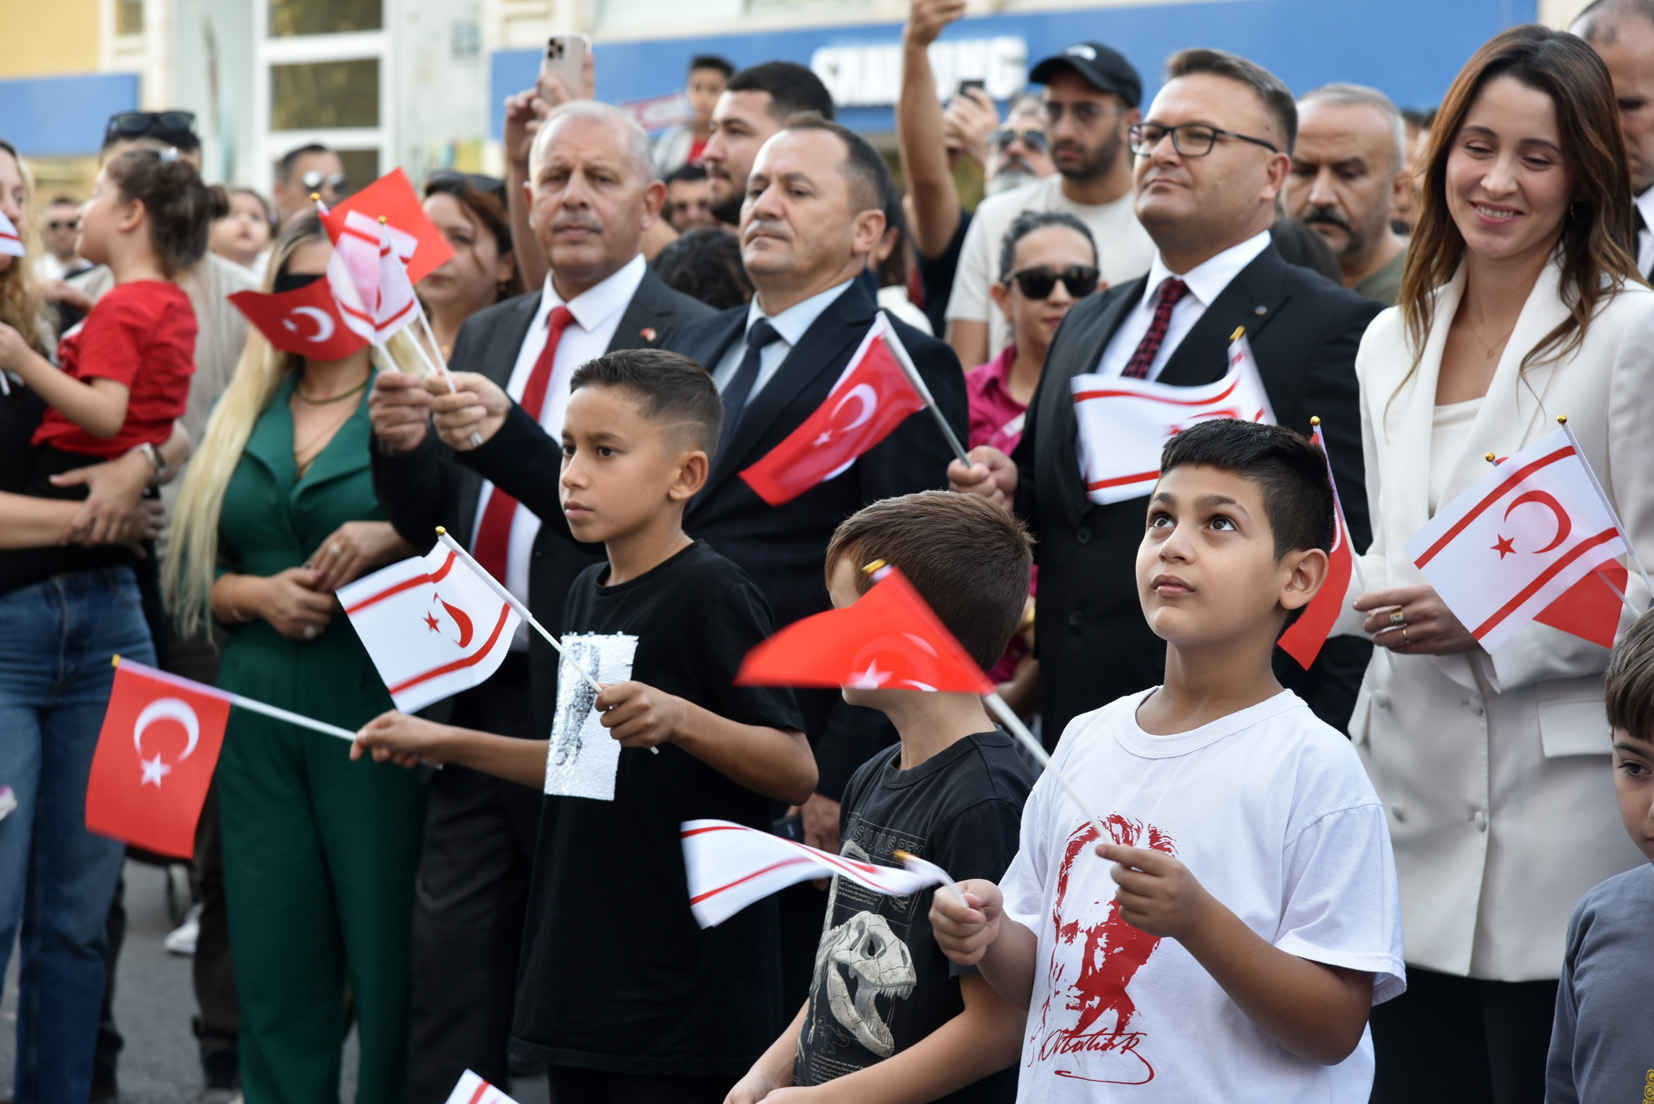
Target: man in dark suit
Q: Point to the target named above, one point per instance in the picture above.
(814, 210)
(1213, 153)
(592, 195)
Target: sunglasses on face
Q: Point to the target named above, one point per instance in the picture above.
(1033, 137)
(313, 181)
(1040, 281)
(167, 126)
(450, 180)
(72, 224)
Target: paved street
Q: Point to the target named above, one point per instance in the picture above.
(153, 1006)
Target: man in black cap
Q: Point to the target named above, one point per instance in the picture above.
(1091, 97)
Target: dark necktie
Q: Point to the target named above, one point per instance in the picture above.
(740, 384)
(1637, 239)
(1171, 290)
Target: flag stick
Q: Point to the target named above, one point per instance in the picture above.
(1013, 724)
(268, 710)
(917, 382)
(923, 866)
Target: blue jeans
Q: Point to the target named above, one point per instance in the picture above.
(56, 878)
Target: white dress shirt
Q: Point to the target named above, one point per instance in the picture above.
(597, 312)
(1645, 236)
(1206, 282)
(790, 324)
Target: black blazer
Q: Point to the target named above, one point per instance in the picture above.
(1094, 644)
(426, 487)
(782, 547)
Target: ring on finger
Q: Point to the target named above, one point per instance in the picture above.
(310, 632)
(1404, 639)
(1398, 619)
(335, 550)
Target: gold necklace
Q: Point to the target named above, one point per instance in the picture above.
(357, 390)
(308, 454)
(1480, 340)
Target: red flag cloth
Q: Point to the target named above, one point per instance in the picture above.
(888, 639)
(868, 402)
(1303, 640)
(393, 199)
(1590, 609)
(304, 321)
(156, 752)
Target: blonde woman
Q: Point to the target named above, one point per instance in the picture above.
(277, 509)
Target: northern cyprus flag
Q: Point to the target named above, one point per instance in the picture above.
(11, 242)
(1508, 547)
(472, 1089)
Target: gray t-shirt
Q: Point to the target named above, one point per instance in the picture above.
(1602, 1040)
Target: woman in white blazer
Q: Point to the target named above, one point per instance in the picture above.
(1520, 303)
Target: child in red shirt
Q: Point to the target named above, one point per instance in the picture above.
(125, 371)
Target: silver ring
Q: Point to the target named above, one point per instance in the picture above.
(310, 632)
(1397, 619)
(335, 550)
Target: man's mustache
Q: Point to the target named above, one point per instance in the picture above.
(1329, 215)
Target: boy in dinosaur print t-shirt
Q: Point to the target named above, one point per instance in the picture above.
(889, 1017)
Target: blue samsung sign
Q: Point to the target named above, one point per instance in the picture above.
(1410, 49)
(63, 116)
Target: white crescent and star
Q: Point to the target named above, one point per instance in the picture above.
(862, 393)
(324, 323)
(173, 709)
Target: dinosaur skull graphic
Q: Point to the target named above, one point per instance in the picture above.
(863, 961)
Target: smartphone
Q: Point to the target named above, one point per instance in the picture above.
(979, 85)
(565, 59)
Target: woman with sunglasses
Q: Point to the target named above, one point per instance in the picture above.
(276, 511)
(470, 210)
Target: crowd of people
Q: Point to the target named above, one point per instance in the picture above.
(1399, 873)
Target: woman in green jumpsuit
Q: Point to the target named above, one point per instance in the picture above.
(319, 852)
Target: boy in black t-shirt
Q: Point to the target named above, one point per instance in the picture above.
(619, 991)
(889, 1017)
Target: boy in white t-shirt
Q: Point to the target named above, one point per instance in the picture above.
(1250, 918)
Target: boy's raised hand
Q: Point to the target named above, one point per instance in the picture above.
(395, 737)
(1157, 892)
(965, 934)
(638, 715)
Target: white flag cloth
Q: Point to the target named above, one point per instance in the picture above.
(1124, 423)
(474, 1090)
(431, 627)
(1512, 544)
(730, 866)
(11, 242)
(368, 274)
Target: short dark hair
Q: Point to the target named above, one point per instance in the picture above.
(284, 167)
(1628, 683)
(62, 200)
(179, 205)
(1275, 96)
(1291, 472)
(1419, 117)
(705, 264)
(686, 174)
(711, 61)
(669, 386)
(792, 87)
(967, 558)
(864, 170)
(1029, 221)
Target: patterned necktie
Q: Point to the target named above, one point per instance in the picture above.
(1171, 290)
(494, 534)
(740, 384)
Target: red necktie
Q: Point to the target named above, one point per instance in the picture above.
(1171, 290)
(494, 534)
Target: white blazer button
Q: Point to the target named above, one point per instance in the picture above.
(1382, 700)
(1399, 812)
(1479, 818)
(1477, 707)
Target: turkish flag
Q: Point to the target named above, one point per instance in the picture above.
(888, 639)
(156, 752)
(430, 625)
(304, 321)
(1303, 640)
(1519, 541)
(393, 199)
(868, 402)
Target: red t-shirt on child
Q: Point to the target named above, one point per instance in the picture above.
(140, 334)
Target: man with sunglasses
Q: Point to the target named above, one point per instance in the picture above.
(309, 170)
(61, 233)
(1212, 157)
(1091, 96)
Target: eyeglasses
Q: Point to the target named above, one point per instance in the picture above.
(1188, 139)
(313, 181)
(1031, 136)
(165, 125)
(452, 180)
(54, 224)
(1038, 282)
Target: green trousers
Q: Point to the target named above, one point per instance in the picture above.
(319, 861)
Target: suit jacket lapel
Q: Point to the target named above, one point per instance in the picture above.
(645, 318)
(1058, 467)
(1250, 300)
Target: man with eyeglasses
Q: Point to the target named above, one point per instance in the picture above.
(309, 170)
(1212, 157)
(1091, 96)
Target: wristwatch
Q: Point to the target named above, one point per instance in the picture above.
(156, 461)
